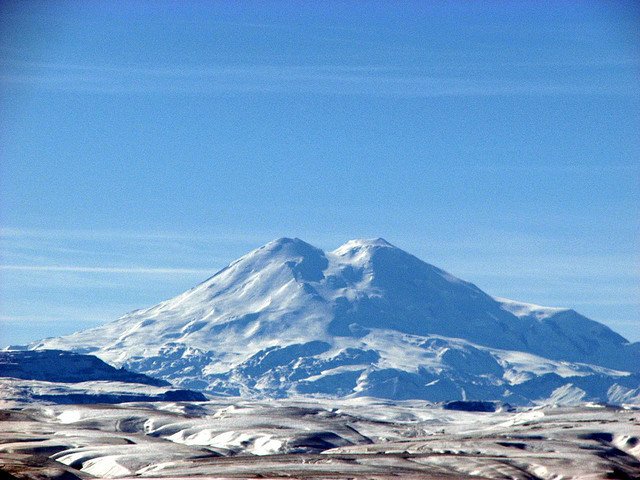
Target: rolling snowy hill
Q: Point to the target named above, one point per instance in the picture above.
(355, 438)
(365, 319)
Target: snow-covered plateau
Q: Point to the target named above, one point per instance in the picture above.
(357, 438)
(366, 320)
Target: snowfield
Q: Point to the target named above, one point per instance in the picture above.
(303, 438)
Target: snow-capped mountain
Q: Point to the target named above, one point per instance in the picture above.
(365, 319)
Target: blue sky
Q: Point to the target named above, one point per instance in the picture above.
(144, 145)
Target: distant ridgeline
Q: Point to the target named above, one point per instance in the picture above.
(65, 377)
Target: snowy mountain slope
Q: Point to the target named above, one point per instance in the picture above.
(365, 319)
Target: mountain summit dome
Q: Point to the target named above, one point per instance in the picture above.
(358, 243)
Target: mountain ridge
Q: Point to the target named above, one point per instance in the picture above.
(62, 377)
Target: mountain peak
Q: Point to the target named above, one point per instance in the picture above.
(363, 243)
(370, 242)
(292, 246)
(279, 242)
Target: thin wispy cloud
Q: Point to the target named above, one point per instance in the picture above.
(70, 316)
(373, 80)
(89, 234)
(93, 269)
(589, 168)
(580, 62)
(193, 240)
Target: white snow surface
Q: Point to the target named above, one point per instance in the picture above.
(523, 310)
(359, 438)
(366, 319)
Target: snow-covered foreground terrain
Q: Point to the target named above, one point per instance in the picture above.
(367, 319)
(304, 438)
